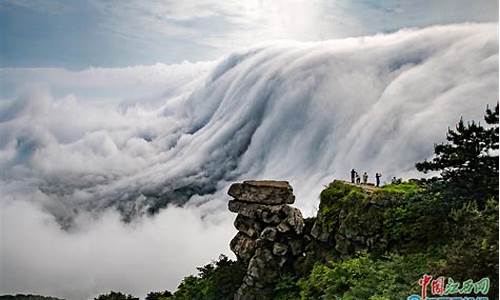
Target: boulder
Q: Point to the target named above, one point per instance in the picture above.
(243, 246)
(296, 247)
(269, 234)
(266, 213)
(268, 192)
(283, 227)
(247, 226)
(280, 249)
(294, 219)
(262, 270)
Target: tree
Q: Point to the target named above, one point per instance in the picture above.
(158, 295)
(218, 280)
(468, 162)
(491, 118)
(115, 296)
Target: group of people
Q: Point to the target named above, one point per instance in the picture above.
(355, 178)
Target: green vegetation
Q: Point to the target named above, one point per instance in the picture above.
(364, 277)
(446, 226)
(218, 280)
(403, 187)
(115, 296)
(335, 198)
(468, 163)
(158, 295)
(421, 233)
(26, 297)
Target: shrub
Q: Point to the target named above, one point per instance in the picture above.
(218, 280)
(365, 277)
(115, 296)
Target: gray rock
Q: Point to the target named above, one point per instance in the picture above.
(280, 249)
(268, 213)
(270, 217)
(263, 266)
(261, 243)
(342, 245)
(319, 234)
(296, 246)
(294, 219)
(269, 233)
(263, 192)
(282, 260)
(243, 246)
(283, 227)
(315, 231)
(247, 226)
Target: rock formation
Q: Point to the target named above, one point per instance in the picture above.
(269, 237)
(351, 218)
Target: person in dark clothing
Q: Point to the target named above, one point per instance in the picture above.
(353, 175)
(377, 177)
(358, 179)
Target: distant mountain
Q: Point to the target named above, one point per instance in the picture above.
(27, 297)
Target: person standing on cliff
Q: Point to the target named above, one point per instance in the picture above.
(377, 178)
(358, 179)
(365, 178)
(353, 175)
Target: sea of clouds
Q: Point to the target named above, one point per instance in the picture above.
(82, 150)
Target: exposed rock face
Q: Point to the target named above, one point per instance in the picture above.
(270, 234)
(351, 219)
(263, 191)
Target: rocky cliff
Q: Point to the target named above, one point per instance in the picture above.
(273, 238)
(270, 234)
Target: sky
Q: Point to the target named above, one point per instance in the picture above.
(76, 34)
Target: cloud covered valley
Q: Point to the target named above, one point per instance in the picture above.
(157, 146)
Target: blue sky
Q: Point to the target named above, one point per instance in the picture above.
(76, 34)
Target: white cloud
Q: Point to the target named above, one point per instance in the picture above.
(150, 254)
(304, 112)
(142, 82)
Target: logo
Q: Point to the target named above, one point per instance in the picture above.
(442, 288)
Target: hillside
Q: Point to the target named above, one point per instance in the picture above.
(26, 297)
(403, 240)
(373, 244)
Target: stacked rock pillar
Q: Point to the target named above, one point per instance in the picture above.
(269, 237)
